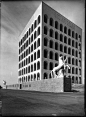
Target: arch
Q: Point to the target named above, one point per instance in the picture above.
(56, 56)
(31, 77)
(73, 43)
(73, 34)
(69, 60)
(76, 62)
(72, 70)
(51, 32)
(50, 75)
(45, 53)
(38, 19)
(45, 18)
(38, 42)
(45, 76)
(34, 76)
(65, 39)
(69, 50)
(34, 45)
(51, 22)
(38, 54)
(34, 66)
(56, 45)
(28, 78)
(35, 24)
(35, 35)
(38, 76)
(56, 24)
(73, 52)
(51, 55)
(65, 30)
(61, 47)
(31, 68)
(45, 65)
(72, 79)
(56, 35)
(61, 37)
(45, 41)
(69, 41)
(35, 56)
(31, 47)
(32, 28)
(45, 30)
(73, 61)
(76, 36)
(31, 57)
(77, 71)
(38, 31)
(50, 66)
(51, 44)
(61, 27)
(69, 32)
(31, 37)
(38, 65)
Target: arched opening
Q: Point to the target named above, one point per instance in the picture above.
(56, 46)
(38, 19)
(61, 37)
(69, 50)
(45, 65)
(51, 21)
(61, 27)
(38, 76)
(45, 30)
(45, 76)
(51, 44)
(56, 56)
(38, 42)
(45, 53)
(61, 47)
(56, 24)
(51, 55)
(38, 65)
(51, 33)
(38, 54)
(38, 31)
(45, 18)
(45, 42)
(56, 35)
(51, 66)
(65, 30)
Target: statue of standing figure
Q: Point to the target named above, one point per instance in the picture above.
(60, 68)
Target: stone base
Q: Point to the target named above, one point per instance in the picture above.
(47, 85)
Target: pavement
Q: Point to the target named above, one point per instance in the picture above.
(34, 103)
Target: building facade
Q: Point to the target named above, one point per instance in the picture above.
(47, 35)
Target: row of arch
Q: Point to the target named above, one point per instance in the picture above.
(30, 68)
(66, 41)
(32, 77)
(62, 28)
(30, 30)
(27, 43)
(29, 59)
(50, 54)
(30, 49)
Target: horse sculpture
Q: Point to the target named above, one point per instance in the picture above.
(62, 66)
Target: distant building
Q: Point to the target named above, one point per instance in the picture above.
(47, 35)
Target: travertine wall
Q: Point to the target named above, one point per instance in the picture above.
(48, 85)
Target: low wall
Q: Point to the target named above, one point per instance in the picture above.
(46, 85)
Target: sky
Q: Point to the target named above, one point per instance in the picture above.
(15, 16)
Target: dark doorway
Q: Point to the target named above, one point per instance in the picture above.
(20, 86)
